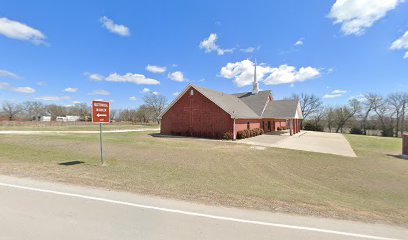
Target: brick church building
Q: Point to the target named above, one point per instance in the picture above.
(203, 112)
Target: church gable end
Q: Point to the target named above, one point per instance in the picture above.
(193, 114)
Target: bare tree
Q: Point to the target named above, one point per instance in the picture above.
(309, 103)
(157, 103)
(11, 110)
(345, 113)
(396, 104)
(145, 113)
(404, 110)
(318, 116)
(370, 101)
(385, 117)
(113, 114)
(330, 117)
(56, 110)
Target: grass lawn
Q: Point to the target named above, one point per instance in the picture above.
(372, 187)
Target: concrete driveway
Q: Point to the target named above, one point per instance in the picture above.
(322, 142)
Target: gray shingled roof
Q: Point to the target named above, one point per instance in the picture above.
(247, 105)
(283, 109)
(255, 101)
(228, 102)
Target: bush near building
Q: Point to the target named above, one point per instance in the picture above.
(312, 127)
(247, 133)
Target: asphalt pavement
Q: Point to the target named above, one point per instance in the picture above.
(38, 210)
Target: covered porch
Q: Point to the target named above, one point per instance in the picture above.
(292, 126)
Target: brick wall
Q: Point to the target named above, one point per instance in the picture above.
(241, 124)
(196, 115)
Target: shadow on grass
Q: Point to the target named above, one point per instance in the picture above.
(166, 136)
(70, 163)
(398, 156)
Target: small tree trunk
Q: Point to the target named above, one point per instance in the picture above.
(403, 118)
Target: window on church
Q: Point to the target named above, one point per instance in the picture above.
(191, 92)
(248, 127)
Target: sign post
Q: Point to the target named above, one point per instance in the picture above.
(101, 115)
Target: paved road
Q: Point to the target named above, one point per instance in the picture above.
(40, 210)
(30, 132)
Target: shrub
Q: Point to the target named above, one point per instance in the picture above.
(311, 127)
(248, 133)
(356, 130)
(279, 128)
(240, 134)
(257, 131)
(228, 136)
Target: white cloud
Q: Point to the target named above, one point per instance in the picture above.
(76, 102)
(41, 83)
(401, 43)
(155, 93)
(7, 74)
(177, 76)
(24, 90)
(71, 90)
(132, 98)
(121, 30)
(100, 92)
(299, 43)
(335, 94)
(358, 15)
(243, 73)
(248, 50)
(209, 45)
(94, 76)
(145, 90)
(337, 91)
(131, 78)
(20, 31)
(9, 87)
(175, 93)
(289, 74)
(155, 69)
(53, 98)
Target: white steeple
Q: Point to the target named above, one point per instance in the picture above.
(255, 87)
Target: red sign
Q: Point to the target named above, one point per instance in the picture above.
(100, 112)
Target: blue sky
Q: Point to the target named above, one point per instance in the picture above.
(101, 49)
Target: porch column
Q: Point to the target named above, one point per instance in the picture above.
(291, 127)
(234, 134)
(298, 125)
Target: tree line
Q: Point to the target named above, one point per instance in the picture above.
(370, 111)
(149, 111)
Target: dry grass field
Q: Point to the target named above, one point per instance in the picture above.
(372, 187)
(68, 126)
